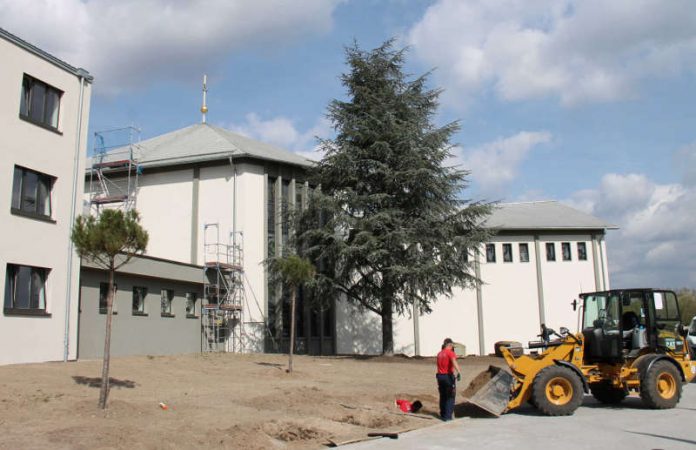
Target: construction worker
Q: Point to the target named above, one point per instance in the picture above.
(446, 384)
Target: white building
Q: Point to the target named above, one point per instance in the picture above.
(543, 255)
(44, 114)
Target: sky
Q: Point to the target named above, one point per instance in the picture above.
(591, 103)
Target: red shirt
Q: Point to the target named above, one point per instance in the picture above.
(444, 361)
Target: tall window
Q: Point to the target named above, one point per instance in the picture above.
(507, 252)
(40, 103)
(550, 251)
(490, 253)
(191, 299)
(565, 250)
(166, 303)
(139, 294)
(582, 251)
(103, 291)
(25, 289)
(31, 192)
(524, 252)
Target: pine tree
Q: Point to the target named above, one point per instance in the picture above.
(387, 226)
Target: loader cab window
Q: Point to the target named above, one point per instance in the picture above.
(666, 310)
(602, 311)
(633, 311)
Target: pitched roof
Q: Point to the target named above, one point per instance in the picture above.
(204, 142)
(543, 215)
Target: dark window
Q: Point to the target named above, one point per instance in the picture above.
(191, 299)
(565, 250)
(31, 192)
(490, 253)
(550, 251)
(166, 303)
(25, 288)
(139, 294)
(40, 103)
(582, 251)
(507, 252)
(524, 253)
(465, 255)
(103, 290)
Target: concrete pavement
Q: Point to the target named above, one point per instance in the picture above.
(593, 426)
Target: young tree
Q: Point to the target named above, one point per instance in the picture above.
(110, 241)
(293, 271)
(387, 226)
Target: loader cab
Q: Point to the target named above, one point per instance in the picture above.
(622, 324)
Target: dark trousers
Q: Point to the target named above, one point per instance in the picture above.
(447, 388)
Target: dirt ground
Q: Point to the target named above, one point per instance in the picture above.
(217, 401)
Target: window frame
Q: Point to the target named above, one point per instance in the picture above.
(19, 182)
(10, 297)
(26, 101)
(582, 255)
(525, 253)
(104, 286)
(190, 295)
(141, 292)
(168, 296)
(505, 255)
(550, 251)
(564, 246)
(490, 253)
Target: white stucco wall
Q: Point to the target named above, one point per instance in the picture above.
(27, 241)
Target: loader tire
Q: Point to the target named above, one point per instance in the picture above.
(606, 393)
(515, 348)
(557, 391)
(661, 386)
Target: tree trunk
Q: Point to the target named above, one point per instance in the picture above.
(387, 328)
(104, 392)
(293, 294)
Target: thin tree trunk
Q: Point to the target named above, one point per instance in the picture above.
(104, 392)
(387, 328)
(293, 294)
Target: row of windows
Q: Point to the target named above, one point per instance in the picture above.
(523, 252)
(139, 305)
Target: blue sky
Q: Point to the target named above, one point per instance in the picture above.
(590, 103)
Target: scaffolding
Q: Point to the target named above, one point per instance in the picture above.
(222, 316)
(113, 179)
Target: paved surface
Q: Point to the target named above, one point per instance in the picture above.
(593, 426)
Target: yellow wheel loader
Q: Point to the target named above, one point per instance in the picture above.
(632, 341)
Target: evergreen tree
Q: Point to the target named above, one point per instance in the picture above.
(109, 241)
(387, 226)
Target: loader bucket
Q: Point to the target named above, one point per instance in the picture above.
(490, 390)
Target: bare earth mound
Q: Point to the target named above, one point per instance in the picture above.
(217, 401)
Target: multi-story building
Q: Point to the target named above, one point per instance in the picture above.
(44, 114)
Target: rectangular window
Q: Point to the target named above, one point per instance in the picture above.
(103, 290)
(191, 299)
(139, 294)
(507, 252)
(582, 251)
(25, 289)
(166, 308)
(31, 193)
(565, 251)
(490, 253)
(550, 251)
(40, 103)
(524, 252)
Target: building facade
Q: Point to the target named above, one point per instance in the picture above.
(44, 116)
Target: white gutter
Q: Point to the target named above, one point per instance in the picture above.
(68, 290)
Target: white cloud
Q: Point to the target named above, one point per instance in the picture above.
(495, 164)
(282, 132)
(129, 43)
(655, 243)
(578, 51)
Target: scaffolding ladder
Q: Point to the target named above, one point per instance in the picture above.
(222, 315)
(113, 180)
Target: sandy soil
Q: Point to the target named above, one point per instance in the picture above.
(217, 401)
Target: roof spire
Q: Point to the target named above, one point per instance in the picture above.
(204, 108)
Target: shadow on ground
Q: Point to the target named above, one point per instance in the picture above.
(95, 382)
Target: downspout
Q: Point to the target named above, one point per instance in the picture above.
(479, 305)
(234, 200)
(76, 160)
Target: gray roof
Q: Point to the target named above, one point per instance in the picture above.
(543, 215)
(79, 72)
(203, 142)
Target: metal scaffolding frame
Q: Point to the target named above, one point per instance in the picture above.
(222, 317)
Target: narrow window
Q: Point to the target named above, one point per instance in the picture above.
(40, 103)
(25, 289)
(507, 252)
(490, 253)
(139, 294)
(524, 252)
(582, 251)
(103, 291)
(166, 308)
(550, 251)
(565, 250)
(31, 193)
(191, 299)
